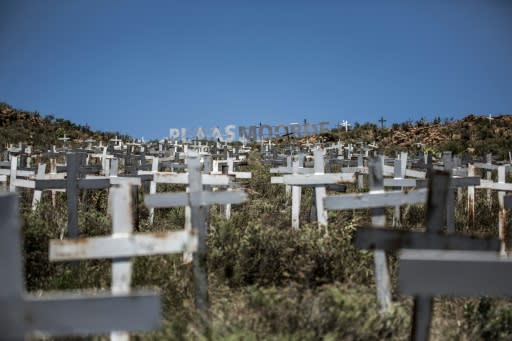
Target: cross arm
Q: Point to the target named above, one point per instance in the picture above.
(374, 200)
(117, 180)
(422, 183)
(78, 314)
(498, 186)
(161, 200)
(142, 244)
(463, 182)
(318, 179)
(454, 273)
(372, 238)
(50, 184)
(94, 183)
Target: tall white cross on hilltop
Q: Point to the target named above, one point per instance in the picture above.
(345, 124)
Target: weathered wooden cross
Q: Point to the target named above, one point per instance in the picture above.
(177, 178)
(427, 273)
(198, 200)
(376, 200)
(122, 245)
(433, 238)
(457, 181)
(65, 313)
(502, 187)
(72, 184)
(318, 180)
(13, 174)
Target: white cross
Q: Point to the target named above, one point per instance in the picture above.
(314, 177)
(198, 200)
(122, 245)
(64, 139)
(345, 124)
(64, 313)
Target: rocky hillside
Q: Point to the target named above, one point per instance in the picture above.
(31, 128)
(477, 135)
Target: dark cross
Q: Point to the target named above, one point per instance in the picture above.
(433, 238)
(72, 184)
(427, 273)
(455, 183)
(63, 313)
(382, 120)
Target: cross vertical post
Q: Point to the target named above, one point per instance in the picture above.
(502, 213)
(471, 199)
(37, 194)
(60, 314)
(488, 175)
(320, 191)
(436, 203)
(376, 185)
(382, 120)
(450, 199)
(296, 195)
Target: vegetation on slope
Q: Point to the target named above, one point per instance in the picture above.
(19, 126)
(267, 282)
(477, 135)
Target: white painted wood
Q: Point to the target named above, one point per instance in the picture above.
(383, 199)
(502, 212)
(60, 314)
(471, 198)
(122, 246)
(152, 188)
(161, 200)
(12, 179)
(296, 195)
(318, 179)
(320, 191)
(379, 221)
(39, 176)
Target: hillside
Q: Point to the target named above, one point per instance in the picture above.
(30, 127)
(478, 135)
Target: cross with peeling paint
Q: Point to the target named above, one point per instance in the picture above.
(62, 313)
(122, 245)
(198, 200)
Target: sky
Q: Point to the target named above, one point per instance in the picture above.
(143, 67)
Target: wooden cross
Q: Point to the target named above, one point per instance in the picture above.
(72, 184)
(399, 173)
(376, 200)
(229, 170)
(122, 245)
(427, 273)
(345, 124)
(489, 167)
(456, 182)
(65, 313)
(317, 179)
(64, 140)
(13, 174)
(177, 178)
(502, 187)
(198, 200)
(433, 238)
(382, 120)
